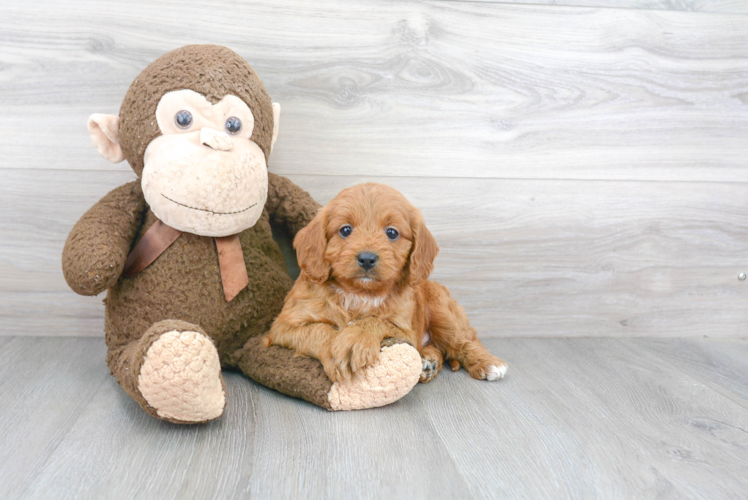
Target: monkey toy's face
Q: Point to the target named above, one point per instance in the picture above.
(197, 126)
(204, 175)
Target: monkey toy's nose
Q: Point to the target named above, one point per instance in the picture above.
(215, 139)
(367, 260)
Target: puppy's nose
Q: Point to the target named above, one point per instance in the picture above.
(367, 260)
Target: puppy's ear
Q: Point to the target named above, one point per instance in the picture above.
(423, 253)
(310, 244)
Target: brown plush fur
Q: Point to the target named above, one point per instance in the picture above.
(182, 289)
(339, 312)
(184, 284)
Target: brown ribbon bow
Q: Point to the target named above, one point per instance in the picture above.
(159, 237)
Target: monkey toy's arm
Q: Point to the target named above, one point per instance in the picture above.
(97, 247)
(289, 205)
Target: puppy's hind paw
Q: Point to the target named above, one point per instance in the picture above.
(495, 372)
(432, 360)
(480, 364)
(430, 369)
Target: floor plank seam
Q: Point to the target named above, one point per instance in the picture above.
(39, 468)
(734, 398)
(436, 430)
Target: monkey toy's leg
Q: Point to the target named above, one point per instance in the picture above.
(172, 371)
(391, 377)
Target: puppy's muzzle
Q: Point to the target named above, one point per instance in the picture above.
(367, 260)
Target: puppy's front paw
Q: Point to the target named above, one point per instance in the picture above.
(354, 350)
(328, 364)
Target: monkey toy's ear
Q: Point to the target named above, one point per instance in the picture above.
(104, 131)
(276, 122)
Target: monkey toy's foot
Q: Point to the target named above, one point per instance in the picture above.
(181, 377)
(391, 377)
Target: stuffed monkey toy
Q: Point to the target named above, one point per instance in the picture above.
(186, 254)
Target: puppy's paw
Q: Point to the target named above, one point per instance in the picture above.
(328, 364)
(364, 354)
(430, 369)
(491, 369)
(432, 363)
(354, 350)
(495, 372)
(480, 363)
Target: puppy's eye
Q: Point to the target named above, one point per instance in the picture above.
(392, 233)
(345, 231)
(183, 119)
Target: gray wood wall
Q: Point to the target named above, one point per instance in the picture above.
(583, 166)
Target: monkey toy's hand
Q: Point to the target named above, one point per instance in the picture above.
(97, 247)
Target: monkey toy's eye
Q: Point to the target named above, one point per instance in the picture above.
(346, 231)
(392, 233)
(183, 119)
(233, 125)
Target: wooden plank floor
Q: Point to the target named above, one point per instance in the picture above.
(575, 418)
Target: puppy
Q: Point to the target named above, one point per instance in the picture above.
(365, 259)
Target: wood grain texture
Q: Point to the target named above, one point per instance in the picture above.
(715, 364)
(583, 168)
(524, 257)
(402, 451)
(575, 418)
(590, 418)
(733, 6)
(45, 384)
(137, 456)
(447, 89)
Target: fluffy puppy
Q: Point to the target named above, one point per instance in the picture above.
(365, 261)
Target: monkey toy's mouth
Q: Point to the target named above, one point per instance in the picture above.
(206, 210)
(203, 193)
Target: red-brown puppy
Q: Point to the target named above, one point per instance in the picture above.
(365, 259)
